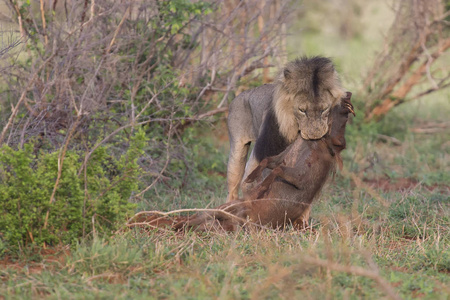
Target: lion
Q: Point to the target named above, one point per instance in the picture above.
(299, 100)
(284, 197)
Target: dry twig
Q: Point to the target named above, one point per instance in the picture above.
(330, 265)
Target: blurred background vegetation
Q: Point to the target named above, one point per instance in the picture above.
(112, 107)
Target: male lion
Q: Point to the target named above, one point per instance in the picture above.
(296, 177)
(300, 100)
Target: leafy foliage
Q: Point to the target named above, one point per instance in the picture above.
(96, 201)
(75, 121)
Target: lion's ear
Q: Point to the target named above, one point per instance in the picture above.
(338, 92)
(335, 88)
(287, 73)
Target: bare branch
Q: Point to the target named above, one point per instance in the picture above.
(416, 35)
(22, 98)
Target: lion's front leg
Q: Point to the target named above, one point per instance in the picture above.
(236, 168)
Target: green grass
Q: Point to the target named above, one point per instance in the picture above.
(401, 235)
(406, 244)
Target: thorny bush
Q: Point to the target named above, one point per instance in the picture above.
(90, 83)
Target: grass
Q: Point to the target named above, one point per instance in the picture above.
(367, 238)
(382, 236)
(406, 244)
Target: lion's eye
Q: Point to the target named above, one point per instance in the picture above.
(302, 111)
(326, 110)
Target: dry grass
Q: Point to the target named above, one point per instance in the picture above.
(333, 259)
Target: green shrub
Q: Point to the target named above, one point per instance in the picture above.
(79, 207)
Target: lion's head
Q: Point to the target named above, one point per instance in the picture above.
(306, 90)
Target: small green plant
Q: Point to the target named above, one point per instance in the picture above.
(95, 201)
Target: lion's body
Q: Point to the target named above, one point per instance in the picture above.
(272, 115)
(245, 124)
